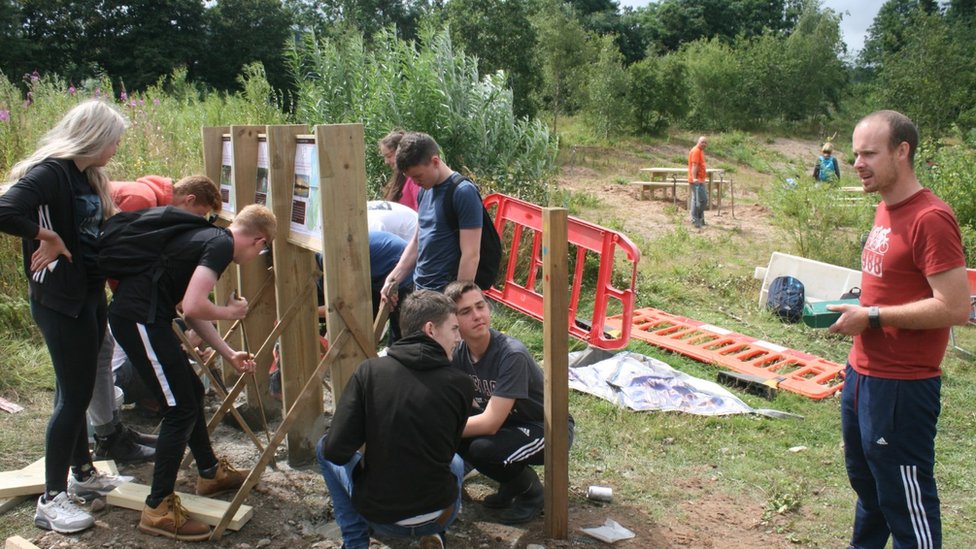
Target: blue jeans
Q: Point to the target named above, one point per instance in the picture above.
(699, 201)
(355, 528)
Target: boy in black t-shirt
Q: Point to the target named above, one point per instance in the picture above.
(505, 434)
(195, 261)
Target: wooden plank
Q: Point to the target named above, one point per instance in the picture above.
(17, 542)
(261, 314)
(29, 481)
(345, 249)
(555, 274)
(294, 266)
(208, 510)
(227, 283)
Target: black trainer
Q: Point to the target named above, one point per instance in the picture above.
(121, 448)
(140, 438)
(529, 503)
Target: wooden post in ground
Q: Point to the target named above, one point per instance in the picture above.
(294, 266)
(345, 245)
(261, 314)
(555, 302)
(214, 140)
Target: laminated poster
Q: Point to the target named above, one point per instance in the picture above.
(226, 182)
(306, 219)
(261, 193)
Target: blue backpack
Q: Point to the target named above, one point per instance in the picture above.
(825, 168)
(786, 298)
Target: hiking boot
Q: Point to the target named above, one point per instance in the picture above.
(433, 541)
(528, 504)
(226, 479)
(122, 448)
(170, 519)
(96, 485)
(62, 514)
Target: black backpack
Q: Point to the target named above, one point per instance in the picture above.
(490, 259)
(133, 243)
(786, 298)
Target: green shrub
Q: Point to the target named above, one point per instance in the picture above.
(427, 87)
(820, 222)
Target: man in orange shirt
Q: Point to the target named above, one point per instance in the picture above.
(696, 182)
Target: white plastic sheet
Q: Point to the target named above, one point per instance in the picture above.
(632, 380)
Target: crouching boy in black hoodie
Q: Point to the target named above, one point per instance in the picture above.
(409, 408)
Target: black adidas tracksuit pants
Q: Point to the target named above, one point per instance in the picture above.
(889, 428)
(156, 355)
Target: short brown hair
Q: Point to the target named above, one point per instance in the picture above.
(901, 129)
(458, 288)
(257, 220)
(423, 306)
(415, 148)
(202, 187)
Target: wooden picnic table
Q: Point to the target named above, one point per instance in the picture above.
(663, 178)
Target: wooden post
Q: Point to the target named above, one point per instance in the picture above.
(213, 141)
(261, 314)
(294, 266)
(345, 244)
(555, 250)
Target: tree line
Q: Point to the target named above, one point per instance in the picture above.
(713, 64)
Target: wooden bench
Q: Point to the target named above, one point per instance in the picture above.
(650, 186)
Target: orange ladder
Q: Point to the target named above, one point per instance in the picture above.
(522, 269)
(792, 370)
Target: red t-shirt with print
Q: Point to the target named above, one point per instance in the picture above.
(917, 238)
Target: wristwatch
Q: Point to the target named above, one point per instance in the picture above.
(874, 317)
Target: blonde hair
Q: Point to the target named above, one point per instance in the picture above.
(827, 148)
(202, 187)
(256, 220)
(82, 134)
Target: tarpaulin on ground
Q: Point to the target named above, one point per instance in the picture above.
(641, 383)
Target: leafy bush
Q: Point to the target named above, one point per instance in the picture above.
(948, 171)
(820, 222)
(426, 87)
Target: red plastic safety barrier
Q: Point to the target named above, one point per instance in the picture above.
(518, 221)
(793, 370)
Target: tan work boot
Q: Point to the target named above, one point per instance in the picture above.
(226, 480)
(170, 519)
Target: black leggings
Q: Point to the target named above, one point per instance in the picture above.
(73, 344)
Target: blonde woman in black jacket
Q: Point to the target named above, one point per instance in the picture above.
(57, 207)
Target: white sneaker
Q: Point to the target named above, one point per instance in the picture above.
(98, 484)
(62, 514)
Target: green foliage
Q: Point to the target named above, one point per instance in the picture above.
(915, 79)
(232, 41)
(949, 173)
(430, 87)
(501, 35)
(757, 81)
(605, 108)
(165, 121)
(564, 50)
(657, 94)
(821, 222)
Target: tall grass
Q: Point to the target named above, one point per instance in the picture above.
(426, 86)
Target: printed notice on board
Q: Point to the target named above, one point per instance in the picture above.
(226, 182)
(261, 192)
(306, 219)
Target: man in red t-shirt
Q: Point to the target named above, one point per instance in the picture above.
(913, 288)
(696, 182)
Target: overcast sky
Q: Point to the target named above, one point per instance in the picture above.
(857, 17)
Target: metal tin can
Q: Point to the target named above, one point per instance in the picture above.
(600, 493)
